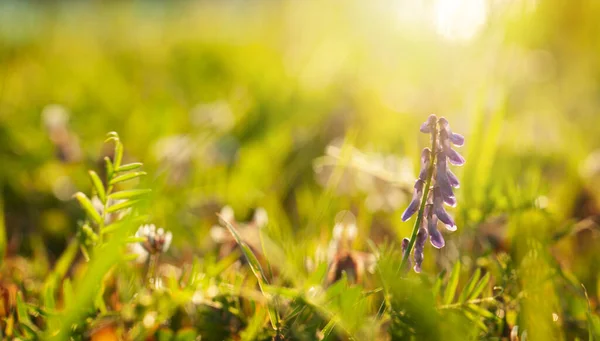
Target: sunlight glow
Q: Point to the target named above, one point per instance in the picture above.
(459, 20)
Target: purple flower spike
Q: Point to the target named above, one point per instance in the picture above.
(420, 247)
(442, 183)
(413, 207)
(429, 125)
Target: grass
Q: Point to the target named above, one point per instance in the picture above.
(231, 104)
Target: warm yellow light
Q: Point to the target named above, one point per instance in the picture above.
(459, 20)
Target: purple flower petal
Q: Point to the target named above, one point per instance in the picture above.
(454, 157)
(429, 124)
(435, 236)
(443, 182)
(457, 139)
(425, 160)
(425, 128)
(420, 247)
(413, 207)
(450, 201)
(438, 208)
(405, 243)
(452, 179)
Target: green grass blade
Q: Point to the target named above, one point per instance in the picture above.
(255, 267)
(480, 287)
(466, 293)
(452, 284)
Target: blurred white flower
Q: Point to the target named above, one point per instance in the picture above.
(156, 240)
(385, 179)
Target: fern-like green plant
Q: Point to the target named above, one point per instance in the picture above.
(108, 205)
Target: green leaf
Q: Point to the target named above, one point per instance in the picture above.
(98, 186)
(326, 332)
(110, 170)
(134, 193)
(112, 135)
(452, 284)
(121, 205)
(68, 294)
(470, 286)
(437, 285)
(129, 166)
(126, 177)
(118, 154)
(88, 207)
(131, 221)
(476, 319)
(22, 314)
(481, 311)
(164, 335)
(480, 286)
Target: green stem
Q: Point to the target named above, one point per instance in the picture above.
(413, 236)
(151, 277)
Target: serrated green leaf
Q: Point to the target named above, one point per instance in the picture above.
(126, 177)
(134, 193)
(98, 186)
(121, 206)
(129, 166)
(468, 289)
(480, 286)
(88, 207)
(452, 284)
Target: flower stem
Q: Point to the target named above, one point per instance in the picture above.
(426, 190)
(151, 278)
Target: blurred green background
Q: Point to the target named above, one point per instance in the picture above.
(235, 102)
